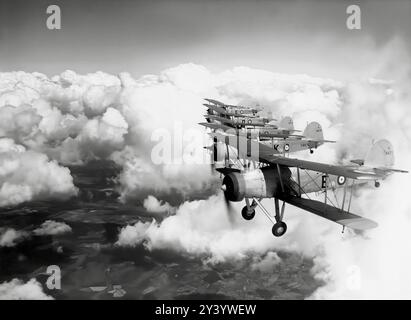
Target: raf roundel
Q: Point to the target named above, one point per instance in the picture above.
(287, 147)
(341, 180)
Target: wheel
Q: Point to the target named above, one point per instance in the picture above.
(311, 151)
(279, 229)
(247, 215)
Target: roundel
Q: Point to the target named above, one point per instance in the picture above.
(287, 147)
(341, 180)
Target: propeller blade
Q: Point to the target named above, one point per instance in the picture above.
(229, 208)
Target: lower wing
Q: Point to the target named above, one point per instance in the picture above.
(339, 216)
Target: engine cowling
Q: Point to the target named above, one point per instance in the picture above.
(259, 183)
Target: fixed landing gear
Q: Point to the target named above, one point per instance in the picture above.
(248, 214)
(311, 151)
(377, 184)
(279, 228)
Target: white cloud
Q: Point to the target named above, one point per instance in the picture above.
(50, 227)
(18, 290)
(266, 264)
(9, 237)
(152, 204)
(203, 228)
(26, 175)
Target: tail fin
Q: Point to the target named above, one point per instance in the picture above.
(313, 131)
(381, 154)
(287, 123)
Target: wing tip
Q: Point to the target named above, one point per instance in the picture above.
(358, 223)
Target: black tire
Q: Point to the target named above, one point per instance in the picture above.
(279, 229)
(247, 215)
(311, 151)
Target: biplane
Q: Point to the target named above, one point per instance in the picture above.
(253, 170)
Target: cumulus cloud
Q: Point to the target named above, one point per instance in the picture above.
(27, 175)
(9, 237)
(131, 236)
(152, 204)
(18, 290)
(267, 263)
(204, 228)
(149, 126)
(50, 227)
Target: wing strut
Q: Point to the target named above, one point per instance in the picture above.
(279, 175)
(267, 214)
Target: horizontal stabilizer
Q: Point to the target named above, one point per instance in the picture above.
(360, 162)
(321, 141)
(326, 211)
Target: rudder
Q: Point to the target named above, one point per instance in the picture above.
(381, 154)
(314, 131)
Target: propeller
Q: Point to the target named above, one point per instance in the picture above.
(229, 207)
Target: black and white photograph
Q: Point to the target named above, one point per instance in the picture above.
(175, 150)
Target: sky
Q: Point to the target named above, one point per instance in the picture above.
(145, 37)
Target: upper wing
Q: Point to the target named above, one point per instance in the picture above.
(353, 172)
(216, 126)
(218, 118)
(215, 102)
(215, 108)
(269, 155)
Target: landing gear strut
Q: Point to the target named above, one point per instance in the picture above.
(280, 227)
(248, 212)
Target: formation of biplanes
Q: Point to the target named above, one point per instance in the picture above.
(253, 153)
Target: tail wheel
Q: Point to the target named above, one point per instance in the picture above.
(247, 215)
(279, 228)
